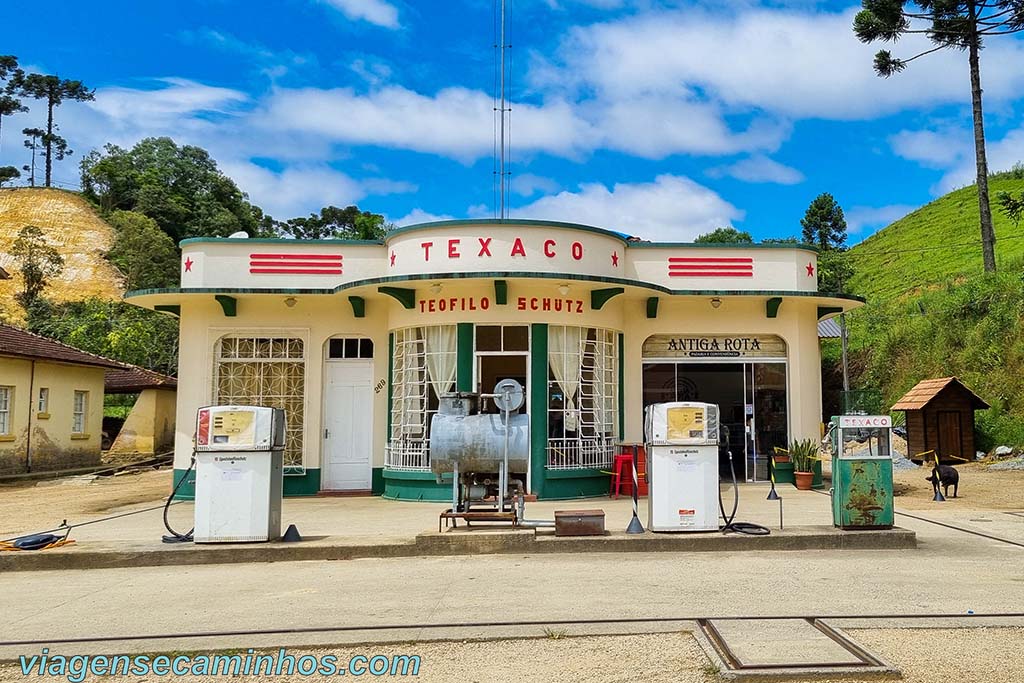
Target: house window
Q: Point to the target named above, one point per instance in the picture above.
(78, 412)
(582, 397)
(5, 410)
(265, 371)
(44, 400)
(349, 348)
(423, 369)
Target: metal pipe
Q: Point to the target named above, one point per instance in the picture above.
(533, 523)
(31, 412)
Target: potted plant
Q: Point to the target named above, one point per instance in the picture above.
(803, 454)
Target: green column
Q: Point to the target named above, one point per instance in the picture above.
(464, 355)
(538, 407)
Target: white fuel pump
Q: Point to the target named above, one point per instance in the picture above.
(682, 470)
(239, 474)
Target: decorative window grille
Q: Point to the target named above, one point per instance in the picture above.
(265, 371)
(423, 368)
(5, 410)
(78, 412)
(582, 397)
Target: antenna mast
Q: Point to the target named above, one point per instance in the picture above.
(503, 110)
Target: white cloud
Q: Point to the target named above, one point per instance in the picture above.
(951, 149)
(527, 184)
(672, 208)
(166, 104)
(785, 61)
(872, 217)
(297, 190)
(455, 122)
(376, 12)
(939, 148)
(418, 215)
(759, 169)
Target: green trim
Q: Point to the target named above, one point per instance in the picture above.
(422, 486)
(307, 484)
(583, 473)
(771, 307)
(489, 222)
(403, 295)
(599, 297)
(275, 240)
(577, 487)
(391, 377)
(622, 386)
(173, 309)
(801, 246)
(188, 489)
(228, 303)
(652, 307)
(501, 292)
(538, 406)
(358, 306)
(828, 310)
(377, 481)
(464, 357)
(499, 274)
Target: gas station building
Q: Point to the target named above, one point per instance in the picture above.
(356, 340)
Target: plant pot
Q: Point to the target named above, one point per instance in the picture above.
(781, 458)
(804, 480)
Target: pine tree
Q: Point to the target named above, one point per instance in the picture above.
(949, 24)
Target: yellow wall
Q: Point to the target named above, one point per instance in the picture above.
(150, 425)
(316, 318)
(53, 445)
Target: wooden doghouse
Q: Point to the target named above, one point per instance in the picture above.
(940, 418)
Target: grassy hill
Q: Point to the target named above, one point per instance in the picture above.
(937, 243)
(73, 227)
(932, 312)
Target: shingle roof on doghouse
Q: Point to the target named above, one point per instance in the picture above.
(926, 390)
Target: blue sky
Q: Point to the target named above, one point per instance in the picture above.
(659, 119)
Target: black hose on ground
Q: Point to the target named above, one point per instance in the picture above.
(174, 536)
(748, 528)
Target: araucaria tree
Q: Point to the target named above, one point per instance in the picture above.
(9, 104)
(824, 226)
(55, 91)
(37, 261)
(958, 24)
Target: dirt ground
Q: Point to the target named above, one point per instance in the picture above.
(923, 655)
(980, 488)
(45, 505)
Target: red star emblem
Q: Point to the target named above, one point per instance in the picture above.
(810, 269)
(392, 258)
(188, 264)
(615, 259)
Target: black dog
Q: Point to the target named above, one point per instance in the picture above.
(945, 475)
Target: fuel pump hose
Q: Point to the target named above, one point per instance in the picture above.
(174, 536)
(730, 524)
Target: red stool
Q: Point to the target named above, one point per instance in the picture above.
(622, 474)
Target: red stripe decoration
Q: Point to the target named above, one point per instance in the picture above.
(295, 264)
(710, 266)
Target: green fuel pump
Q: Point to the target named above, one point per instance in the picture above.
(862, 496)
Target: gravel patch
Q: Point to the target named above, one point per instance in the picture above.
(1011, 464)
(923, 655)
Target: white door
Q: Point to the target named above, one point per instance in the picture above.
(348, 426)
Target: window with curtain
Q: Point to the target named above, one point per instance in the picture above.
(5, 410)
(582, 396)
(265, 371)
(423, 368)
(79, 411)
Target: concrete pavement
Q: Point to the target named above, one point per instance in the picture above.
(951, 572)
